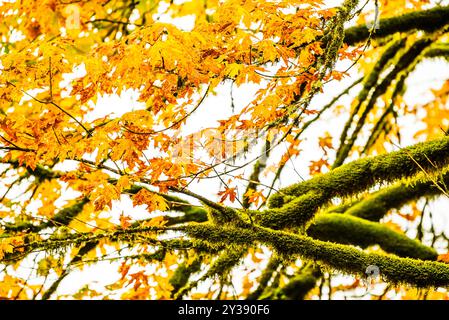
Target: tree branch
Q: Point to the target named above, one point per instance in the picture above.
(426, 20)
(337, 256)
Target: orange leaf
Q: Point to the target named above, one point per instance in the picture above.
(228, 192)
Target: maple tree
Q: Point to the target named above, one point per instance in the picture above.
(64, 168)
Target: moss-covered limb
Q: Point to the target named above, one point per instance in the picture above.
(351, 230)
(59, 242)
(425, 20)
(176, 203)
(221, 267)
(158, 255)
(61, 218)
(225, 216)
(382, 124)
(299, 286)
(182, 274)
(346, 229)
(359, 175)
(301, 209)
(370, 82)
(408, 58)
(345, 258)
(66, 215)
(40, 172)
(438, 50)
(293, 214)
(191, 213)
(265, 278)
(375, 206)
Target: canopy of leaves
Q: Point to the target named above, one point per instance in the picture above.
(84, 187)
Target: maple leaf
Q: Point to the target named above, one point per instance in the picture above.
(152, 200)
(125, 221)
(124, 269)
(255, 196)
(443, 257)
(228, 193)
(316, 166)
(325, 142)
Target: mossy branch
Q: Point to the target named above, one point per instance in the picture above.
(376, 205)
(425, 20)
(346, 229)
(182, 274)
(293, 214)
(254, 178)
(362, 174)
(345, 258)
(61, 218)
(85, 248)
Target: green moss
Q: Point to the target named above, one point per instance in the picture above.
(224, 216)
(359, 175)
(293, 214)
(375, 206)
(345, 258)
(383, 124)
(334, 36)
(276, 200)
(61, 218)
(66, 215)
(353, 178)
(254, 179)
(227, 260)
(40, 171)
(346, 229)
(426, 20)
(192, 214)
